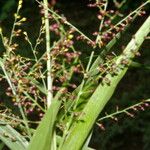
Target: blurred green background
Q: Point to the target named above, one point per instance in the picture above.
(128, 133)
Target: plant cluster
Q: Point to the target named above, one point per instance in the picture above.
(57, 84)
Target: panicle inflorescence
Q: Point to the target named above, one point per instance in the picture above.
(130, 111)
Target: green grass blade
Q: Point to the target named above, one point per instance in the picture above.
(81, 129)
(88, 148)
(85, 147)
(12, 138)
(43, 136)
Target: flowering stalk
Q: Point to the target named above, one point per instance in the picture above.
(14, 24)
(47, 35)
(133, 107)
(16, 96)
(98, 39)
(66, 22)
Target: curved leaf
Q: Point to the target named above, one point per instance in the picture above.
(12, 138)
(43, 137)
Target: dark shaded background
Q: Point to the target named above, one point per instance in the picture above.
(128, 133)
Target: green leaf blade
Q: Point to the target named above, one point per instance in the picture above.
(12, 138)
(42, 139)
